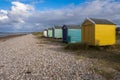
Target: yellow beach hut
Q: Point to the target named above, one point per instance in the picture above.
(98, 32)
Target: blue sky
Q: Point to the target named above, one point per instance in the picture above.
(36, 15)
(56, 4)
(42, 4)
(5, 4)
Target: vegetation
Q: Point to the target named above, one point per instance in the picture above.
(106, 59)
(76, 46)
(38, 34)
(107, 74)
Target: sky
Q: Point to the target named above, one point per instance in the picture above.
(37, 15)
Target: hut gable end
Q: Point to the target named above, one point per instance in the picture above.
(87, 22)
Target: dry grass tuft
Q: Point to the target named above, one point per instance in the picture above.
(39, 34)
(108, 75)
(76, 46)
(101, 56)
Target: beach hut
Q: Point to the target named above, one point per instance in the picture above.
(118, 30)
(57, 32)
(45, 33)
(98, 32)
(71, 33)
(49, 33)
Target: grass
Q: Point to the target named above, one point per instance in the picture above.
(110, 54)
(38, 34)
(104, 73)
(76, 46)
(118, 36)
(104, 57)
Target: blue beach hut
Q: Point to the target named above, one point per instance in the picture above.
(72, 33)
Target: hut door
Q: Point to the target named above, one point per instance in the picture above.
(53, 33)
(87, 32)
(90, 35)
(65, 35)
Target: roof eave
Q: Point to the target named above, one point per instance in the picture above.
(91, 20)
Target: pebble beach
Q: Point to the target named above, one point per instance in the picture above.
(27, 58)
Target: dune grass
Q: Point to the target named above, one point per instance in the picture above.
(76, 46)
(38, 34)
(107, 74)
(104, 58)
(107, 57)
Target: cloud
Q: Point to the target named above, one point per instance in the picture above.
(20, 11)
(33, 2)
(3, 11)
(24, 17)
(15, 17)
(76, 14)
(3, 16)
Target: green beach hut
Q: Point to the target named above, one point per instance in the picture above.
(72, 33)
(57, 32)
(49, 33)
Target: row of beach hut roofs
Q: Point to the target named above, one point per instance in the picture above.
(94, 32)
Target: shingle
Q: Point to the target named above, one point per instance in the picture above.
(102, 21)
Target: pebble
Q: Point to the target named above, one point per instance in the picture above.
(22, 58)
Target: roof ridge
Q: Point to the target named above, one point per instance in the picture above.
(100, 21)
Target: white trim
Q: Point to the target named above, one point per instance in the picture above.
(91, 20)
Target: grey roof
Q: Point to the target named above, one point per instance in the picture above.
(101, 21)
(45, 29)
(50, 28)
(72, 26)
(58, 27)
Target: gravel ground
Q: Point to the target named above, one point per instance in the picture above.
(26, 58)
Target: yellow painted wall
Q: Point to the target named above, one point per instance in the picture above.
(105, 34)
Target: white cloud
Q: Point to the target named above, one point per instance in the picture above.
(4, 11)
(23, 17)
(21, 7)
(20, 11)
(28, 1)
(76, 14)
(16, 16)
(3, 18)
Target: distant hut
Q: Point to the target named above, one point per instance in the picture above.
(98, 32)
(49, 33)
(71, 33)
(118, 31)
(45, 33)
(57, 32)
